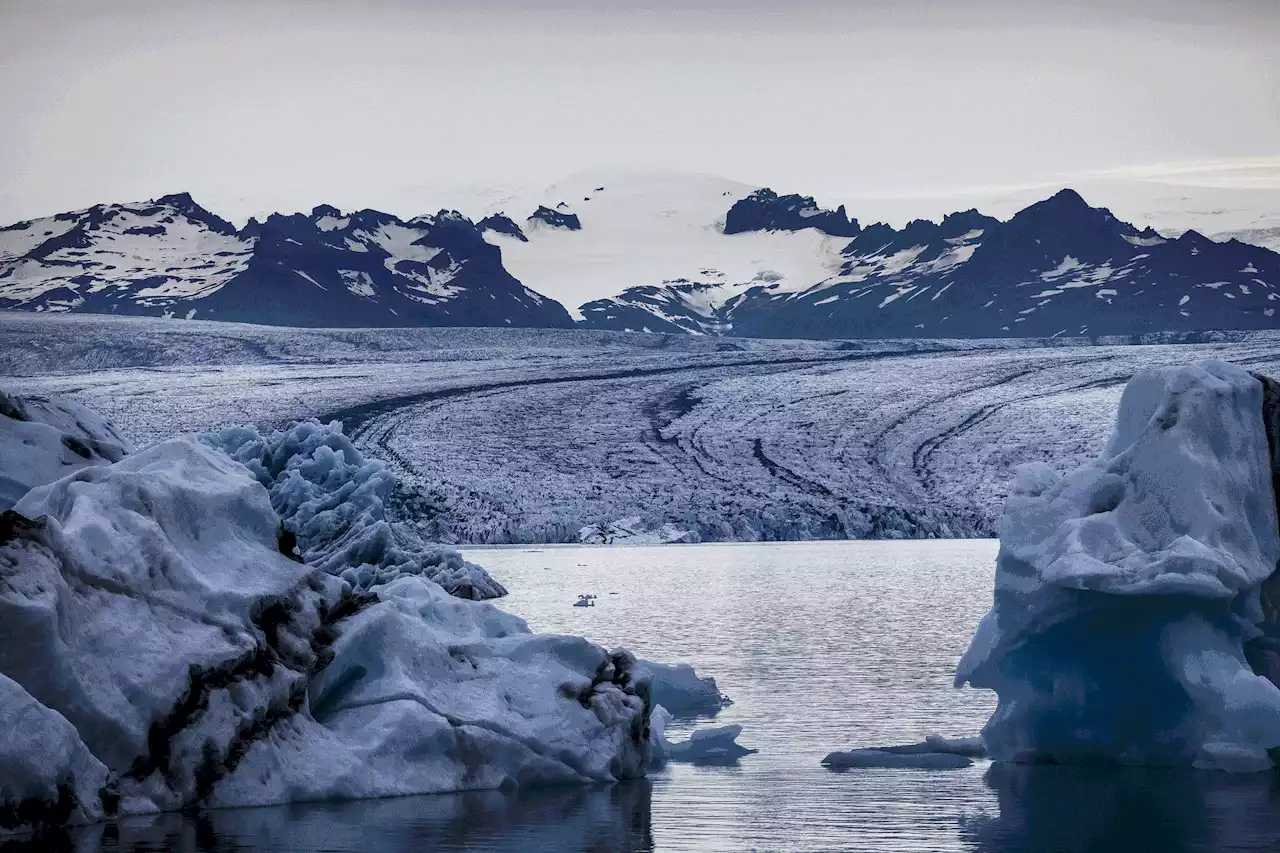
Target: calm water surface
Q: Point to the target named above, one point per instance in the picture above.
(822, 646)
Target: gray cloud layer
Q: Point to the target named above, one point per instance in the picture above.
(253, 104)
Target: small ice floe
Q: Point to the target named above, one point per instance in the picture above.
(714, 746)
(936, 753)
(585, 601)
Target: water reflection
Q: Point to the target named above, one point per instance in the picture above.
(1105, 809)
(614, 818)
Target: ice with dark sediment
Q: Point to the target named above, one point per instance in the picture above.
(168, 644)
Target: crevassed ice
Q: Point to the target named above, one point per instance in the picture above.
(335, 502)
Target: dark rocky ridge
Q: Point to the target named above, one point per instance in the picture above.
(765, 210)
(556, 219)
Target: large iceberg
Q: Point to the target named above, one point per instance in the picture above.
(1135, 614)
(334, 502)
(162, 646)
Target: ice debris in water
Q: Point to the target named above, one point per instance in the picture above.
(679, 689)
(159, 652)
(716, 745)
(44, 439)
(1135, 617)
(935, 753)
(334, 501)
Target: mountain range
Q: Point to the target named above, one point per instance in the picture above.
(671, 254)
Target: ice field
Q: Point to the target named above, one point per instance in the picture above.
(532, 436)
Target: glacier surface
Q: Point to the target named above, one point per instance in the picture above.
(1134, 618)
(721, 440)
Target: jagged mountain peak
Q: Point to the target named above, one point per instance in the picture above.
(555, 219)
(1057, 267)
(500, 223)
(172, 257)
(766, 210)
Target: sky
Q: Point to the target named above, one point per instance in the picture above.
(256, 106)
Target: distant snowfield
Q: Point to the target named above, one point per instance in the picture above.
(650, 228)
(531, 435)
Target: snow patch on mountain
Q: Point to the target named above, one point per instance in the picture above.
(56, 262)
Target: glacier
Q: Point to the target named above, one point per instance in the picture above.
(1134, 617)
(169, 642)
(724, 440)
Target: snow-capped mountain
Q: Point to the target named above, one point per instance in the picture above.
(172, 257)
(657, 252)
(765, 210)
(1058, 267)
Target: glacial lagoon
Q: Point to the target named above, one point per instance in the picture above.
(821, 646)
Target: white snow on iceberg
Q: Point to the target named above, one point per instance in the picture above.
(334, 501)
(1132, 594)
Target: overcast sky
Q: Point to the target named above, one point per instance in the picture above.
(252, 105)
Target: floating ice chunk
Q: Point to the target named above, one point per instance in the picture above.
(896, 757)
(335, 502)
(42, 440)
(935, 753)
(679, 689)
(1132, 595)
(710, 746)
(970, 746)
(705, 746)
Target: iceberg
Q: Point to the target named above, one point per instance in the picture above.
(935, 753)
(679, 689)
(167, 644)
(892, 759)
(334, 502)
(1135, 614)
(717, 745)
(43, 439)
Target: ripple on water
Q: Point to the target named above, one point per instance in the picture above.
(822, 646)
